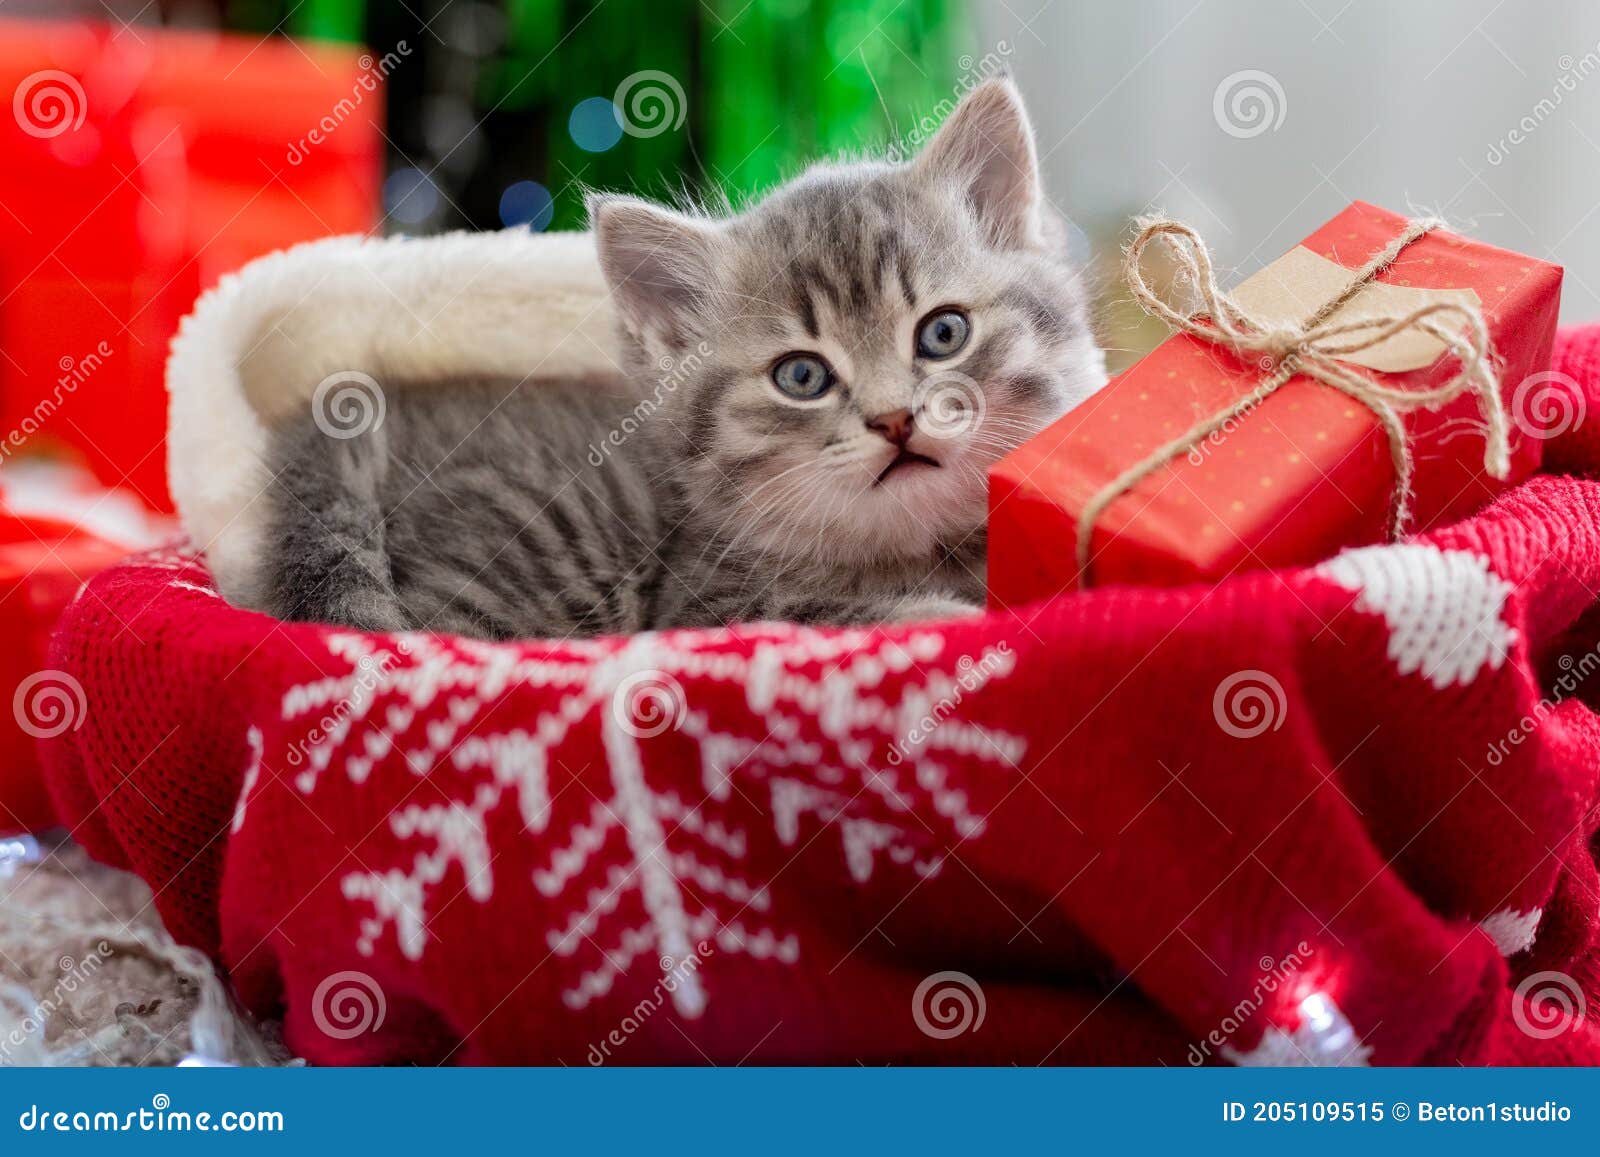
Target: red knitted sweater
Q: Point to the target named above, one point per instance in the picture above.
(1342, 814)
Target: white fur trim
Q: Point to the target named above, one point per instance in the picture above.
(509, 304)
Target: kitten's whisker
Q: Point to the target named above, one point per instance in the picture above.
(778, 477)
(1006, 433)
(797, 516)
(754, 519)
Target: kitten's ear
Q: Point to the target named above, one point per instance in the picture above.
(660, 266)
(986, 146)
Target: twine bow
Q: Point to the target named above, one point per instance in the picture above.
(1313, 349)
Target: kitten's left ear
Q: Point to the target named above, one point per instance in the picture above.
(986, 146)
(661, 266)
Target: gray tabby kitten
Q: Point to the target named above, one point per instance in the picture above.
(848, 357)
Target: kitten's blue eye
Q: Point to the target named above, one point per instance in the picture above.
(943, 334)
(802, 376)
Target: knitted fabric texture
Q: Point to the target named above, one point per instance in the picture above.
(1342, 814)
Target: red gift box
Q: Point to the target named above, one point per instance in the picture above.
(136, 169)
(57, 530)
(1305, 472)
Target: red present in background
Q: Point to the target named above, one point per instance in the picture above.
(134, 171)
(57, 530)
(1306, 472)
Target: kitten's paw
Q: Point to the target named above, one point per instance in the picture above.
(371, 611)
(930, 608)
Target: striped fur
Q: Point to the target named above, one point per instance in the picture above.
(508, 509)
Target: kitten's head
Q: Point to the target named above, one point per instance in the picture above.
(840, 363)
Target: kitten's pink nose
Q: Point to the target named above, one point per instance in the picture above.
(895, 426)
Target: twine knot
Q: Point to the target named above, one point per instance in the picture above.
(1314, 348)
(1280, 343)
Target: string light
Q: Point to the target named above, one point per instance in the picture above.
(594, 125)
(1331, 1033)
(16, 851)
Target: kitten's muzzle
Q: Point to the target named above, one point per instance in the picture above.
(896, 428)
(904, 458)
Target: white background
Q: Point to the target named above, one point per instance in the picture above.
(1396, 102)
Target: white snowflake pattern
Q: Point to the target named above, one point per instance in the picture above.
(1445, 608)
(1324, 1038)
(820, 709)
(1512, 929)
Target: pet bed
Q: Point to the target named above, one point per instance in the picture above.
(1338, 815)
